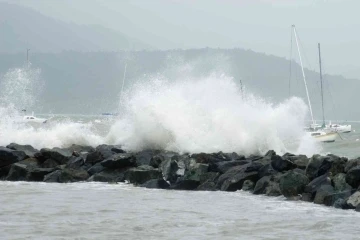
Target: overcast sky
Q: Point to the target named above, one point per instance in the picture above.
(260, 25)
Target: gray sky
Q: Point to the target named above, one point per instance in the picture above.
(260, 25)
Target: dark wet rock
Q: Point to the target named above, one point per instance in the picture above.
(234, 156)
(323, 192)
(27, 170)
(357, 208)
(316, 184)
(38, 174)
(253, 158)
(195, 171)
(301, 161)
(339, 203)
(81, 149)
(268, 185)
(60, 155)
(73, 175)
(4, 171)
(144, 157)
(156, 160)
(50, 163)
(353, 177)
(208, 181)
(266, 170)
(261, 185)
(75, 162)
(222, 167)
(234, 178)
(96, 169)
(17, 172)
(332, 199)
(340, 184)
(169, 170)
(209, 158)
(142, 174)
(351, 163)
(52, 177)
(27, 149)
(109, 175)
(103, 152)
(270, 153)
(119, 160)
(156, 183)
(292, 184)
(9, 156)
(354, 200)
(185, 184)
(307, 197)
(279, 164)
(248, 185)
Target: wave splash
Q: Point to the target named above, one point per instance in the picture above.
(208, 114)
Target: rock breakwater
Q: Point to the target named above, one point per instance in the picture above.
(330, 180)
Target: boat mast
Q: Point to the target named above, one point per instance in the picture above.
(123, 83)
(241, 89)
(27, 57)
(321, 84)
(303, 73)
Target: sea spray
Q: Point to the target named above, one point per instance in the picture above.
(19, 89)
(208, 114)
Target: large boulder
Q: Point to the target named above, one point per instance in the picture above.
(169, 169)
(268, 185)
(142, 174)
(81, 149)
(323, 192)
(337, 198)
(224, 166)
(73, 175)
(144, 157)
(75, 162)
(103, 152)
(353, 177)
(319, 165)
(316, 184)
(119, 160)
(248, 185)
(96, 169)
(156, 183)
(279, 164)
(27, 170)
(27, 149)
(234, 178)
(292, 184)
(208, 181)
(301, 161)
(109, 175)
(52, 177)
(9, 156)
(60, 155)
(340, 184)
(351, 163)
(354, 200)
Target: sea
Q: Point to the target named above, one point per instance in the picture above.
(208, 114)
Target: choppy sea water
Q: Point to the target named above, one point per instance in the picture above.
(121, 211)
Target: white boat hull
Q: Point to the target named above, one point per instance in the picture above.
(340, 128)
(324, 136)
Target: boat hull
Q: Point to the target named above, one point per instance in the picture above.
(326, 137)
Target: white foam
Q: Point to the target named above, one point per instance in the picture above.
(207, 115)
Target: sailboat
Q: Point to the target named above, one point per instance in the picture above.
(320, 134)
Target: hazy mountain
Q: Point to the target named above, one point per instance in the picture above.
(22, 28)
(80, 82)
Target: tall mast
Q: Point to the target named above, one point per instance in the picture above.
(27, 57)
(321, 84)
(303, 73)
(123, 83)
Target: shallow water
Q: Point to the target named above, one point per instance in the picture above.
(121, 211)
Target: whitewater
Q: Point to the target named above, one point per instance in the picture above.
(194, 114)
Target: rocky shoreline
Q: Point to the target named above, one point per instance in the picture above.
(329, 180)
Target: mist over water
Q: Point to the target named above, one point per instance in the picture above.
(208, 114)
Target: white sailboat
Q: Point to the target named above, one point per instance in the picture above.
(322, 135)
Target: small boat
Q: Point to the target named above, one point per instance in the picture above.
(323, 136)
(339, 128)
(33, 119)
